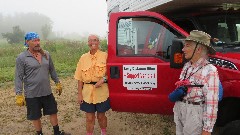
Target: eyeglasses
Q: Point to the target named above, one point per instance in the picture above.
(93, 40)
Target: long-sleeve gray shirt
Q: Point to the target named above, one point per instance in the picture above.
(33, 76)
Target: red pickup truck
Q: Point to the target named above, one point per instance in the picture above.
(142, 47)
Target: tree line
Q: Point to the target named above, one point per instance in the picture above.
(13, 27)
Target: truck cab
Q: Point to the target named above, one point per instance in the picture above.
(142, 69)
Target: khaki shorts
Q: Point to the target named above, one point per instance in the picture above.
(188, 118)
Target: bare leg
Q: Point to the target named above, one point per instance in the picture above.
(37, 124)
(102, 120)
(90, 120)
(54, 119)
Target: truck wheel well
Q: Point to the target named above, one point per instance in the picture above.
(228, 110)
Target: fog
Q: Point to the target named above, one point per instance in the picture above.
(67, 17)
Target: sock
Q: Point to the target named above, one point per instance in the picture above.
(103, 131)
(56, 130)
(39, 132)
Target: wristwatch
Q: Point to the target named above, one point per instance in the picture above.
(105, 79)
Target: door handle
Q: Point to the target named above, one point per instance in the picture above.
(114, 72)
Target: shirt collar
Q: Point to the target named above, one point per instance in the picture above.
(200, 62)
(28, 54)
(93, 56)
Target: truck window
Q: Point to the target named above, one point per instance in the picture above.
(144, 37)
(225, 28)
(186, 24)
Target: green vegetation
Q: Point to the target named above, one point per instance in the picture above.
(65, 55)
(26, 22)
(15, 36)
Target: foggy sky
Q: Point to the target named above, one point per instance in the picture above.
(68, 16)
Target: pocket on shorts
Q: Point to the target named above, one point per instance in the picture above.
(194, 124)
(175, 113)
(198, 115)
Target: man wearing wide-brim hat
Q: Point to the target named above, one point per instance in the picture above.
(196, 112)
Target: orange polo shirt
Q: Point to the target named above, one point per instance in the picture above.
(92, 68)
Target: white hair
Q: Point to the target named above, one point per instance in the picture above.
(95, 35)
(204, 52)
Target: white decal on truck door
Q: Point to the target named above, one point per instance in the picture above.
(140, 77)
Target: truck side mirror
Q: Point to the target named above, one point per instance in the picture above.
(177, 59)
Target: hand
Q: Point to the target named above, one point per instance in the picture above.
(99, 83)
(206, 133)
(20, 100)
(80, 98)
(59, 88)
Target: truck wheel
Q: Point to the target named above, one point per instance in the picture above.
(231, 128)
(228, 110)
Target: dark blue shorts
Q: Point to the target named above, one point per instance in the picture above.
(99, 107)
(35, 106)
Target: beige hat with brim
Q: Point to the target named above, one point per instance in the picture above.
(202, 38)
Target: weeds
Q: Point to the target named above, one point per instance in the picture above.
(65, 55)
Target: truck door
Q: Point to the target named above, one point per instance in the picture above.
(139, 75)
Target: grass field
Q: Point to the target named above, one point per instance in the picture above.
(65, 55)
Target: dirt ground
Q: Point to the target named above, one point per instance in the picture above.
(71, 119)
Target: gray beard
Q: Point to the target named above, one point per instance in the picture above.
(36, 48)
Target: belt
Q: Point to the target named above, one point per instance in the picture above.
(93, 83)
(194, 103)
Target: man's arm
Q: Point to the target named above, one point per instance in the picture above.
(211, 103)
(80, 97)
(78, 77)
(19, 73)
(52, 71)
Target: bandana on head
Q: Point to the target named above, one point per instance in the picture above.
(30, 36)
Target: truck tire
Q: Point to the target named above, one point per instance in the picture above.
(231, 128)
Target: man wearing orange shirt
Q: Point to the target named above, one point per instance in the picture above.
(93, 90)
